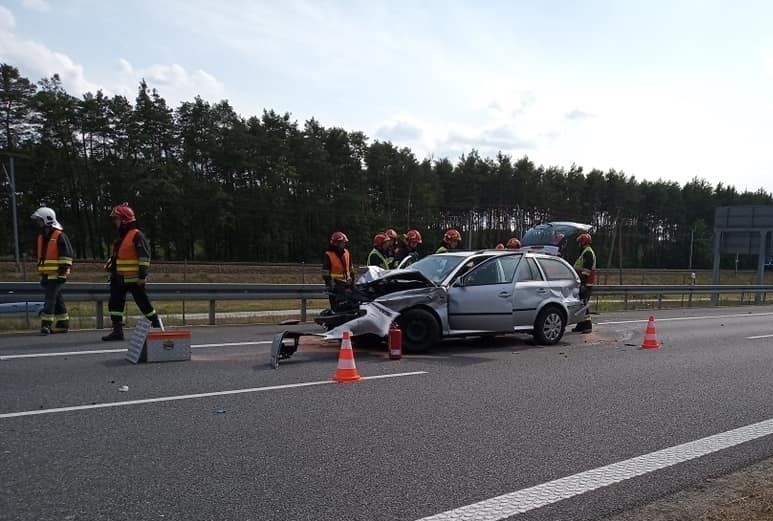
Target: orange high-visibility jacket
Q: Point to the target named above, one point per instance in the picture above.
(128, 261)
(340, 266)
(51, 261)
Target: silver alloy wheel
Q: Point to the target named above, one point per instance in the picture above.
(553, 326)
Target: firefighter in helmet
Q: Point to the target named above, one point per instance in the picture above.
(337, 265)
(451, 240)
(585, 265)
(408, 248)
(128, 267)
(381, 254)
(54, 254)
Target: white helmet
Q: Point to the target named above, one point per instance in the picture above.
(48, 216)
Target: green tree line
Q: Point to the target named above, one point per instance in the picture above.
(210, 184)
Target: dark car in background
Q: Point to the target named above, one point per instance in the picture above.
(555, 238)
(20, 309)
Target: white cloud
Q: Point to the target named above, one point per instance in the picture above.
(7, 21)
(172, 81)
(36, 5)
(35, 60)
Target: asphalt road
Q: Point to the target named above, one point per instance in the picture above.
(480, 419)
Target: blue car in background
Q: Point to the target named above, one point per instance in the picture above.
(20, 309)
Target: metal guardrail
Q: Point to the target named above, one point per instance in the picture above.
(212, 292)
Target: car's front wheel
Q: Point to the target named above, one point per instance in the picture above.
(549, 326)
(420, 330)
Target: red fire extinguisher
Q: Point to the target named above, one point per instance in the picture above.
(395, 342)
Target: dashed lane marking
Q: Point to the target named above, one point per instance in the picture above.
(103, 351)
(193, 396)
(674, 319)
(507, 505)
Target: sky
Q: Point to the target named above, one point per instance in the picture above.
(669, 90)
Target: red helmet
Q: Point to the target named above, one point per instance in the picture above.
(413, 237)
(452, 235)
(379, 239)
(584, 239)
(124, 213)
(513, 243)
(338, 237)
(391, 234)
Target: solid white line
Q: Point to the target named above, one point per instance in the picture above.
(756, 337)
(68, 353)
(191, 396)
(193, 346)
(673, 319)
(102, 351)
(502, 507)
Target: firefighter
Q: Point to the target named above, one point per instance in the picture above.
(499, 246)
(408, 248)
(337, 265)
(585, 265)
(394, 245)
(54, 254)
(128, 268)
(381, 254)
(513, 244)
(451, 241)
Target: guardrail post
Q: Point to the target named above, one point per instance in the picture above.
(211, 312)
(689, 299)
(100, 314)
(303, 310)
(625, 300)
(660, 301)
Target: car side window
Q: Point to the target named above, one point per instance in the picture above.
(509, 265)
(528, 271)
(486, 273)
(556, 270)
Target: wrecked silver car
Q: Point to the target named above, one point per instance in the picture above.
(478, 293)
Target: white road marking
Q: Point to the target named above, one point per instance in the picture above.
(756, 337)
(193, 396)
(673, 319)
(502, 507)
(229, 344)
(102, 351)
(68, 353)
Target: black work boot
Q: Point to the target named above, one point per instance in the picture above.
(62, 326)
(583, 327)
(115, 334)
(45, 328)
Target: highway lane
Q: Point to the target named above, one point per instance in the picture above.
(485, 420)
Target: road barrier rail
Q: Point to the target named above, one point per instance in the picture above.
(99, 293)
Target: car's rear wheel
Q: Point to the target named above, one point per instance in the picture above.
(420, 330)
(549, 326)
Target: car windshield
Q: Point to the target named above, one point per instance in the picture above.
(437, 267)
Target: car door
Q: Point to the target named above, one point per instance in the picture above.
(530, 290)
(482, 300)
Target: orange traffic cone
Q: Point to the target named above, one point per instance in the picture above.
(650, 339)
(346, 371)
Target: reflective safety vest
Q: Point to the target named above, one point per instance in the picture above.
(340, 269)
(579, 266)
(385, 263)
(127, 261)
(48, 259)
